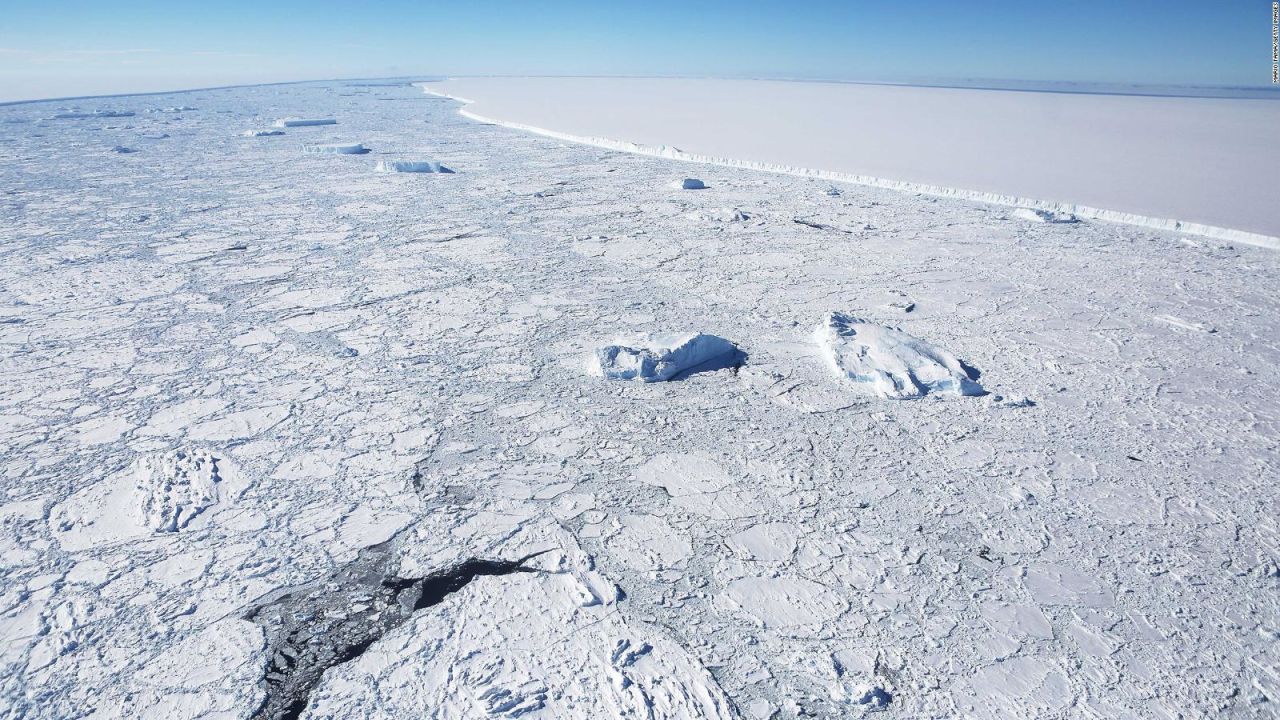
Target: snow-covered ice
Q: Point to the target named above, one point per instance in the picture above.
(888, 362)
(282, 433)
(658, 356)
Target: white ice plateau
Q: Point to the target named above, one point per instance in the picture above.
(283, 436)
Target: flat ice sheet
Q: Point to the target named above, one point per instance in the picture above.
(1197, 160)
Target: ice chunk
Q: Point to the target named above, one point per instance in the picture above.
(657, 357)
(261, 133)
(1044, 216)
(337, 149)
(123, 150)
(304, 122)
(889, 362)
(411, 166)
(692, 184)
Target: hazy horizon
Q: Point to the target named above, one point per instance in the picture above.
(64, 48)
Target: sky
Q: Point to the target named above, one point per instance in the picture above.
(62, 48)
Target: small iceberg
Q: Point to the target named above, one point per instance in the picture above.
(890, 363)
(692, 184)
(411, 166)
(337, 149)
(660, 357)
(1044, 216)
(261, 133)
(77, 115)
(304, 122)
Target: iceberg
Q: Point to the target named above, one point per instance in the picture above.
(890, 363)
(659, 357)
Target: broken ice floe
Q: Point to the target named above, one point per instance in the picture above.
(657, 357)
(261, 133)
(1043, 216)
(411, 166)
(337, 149)
(691, 184)
(304, 122)
(160, 493)
(889, 362)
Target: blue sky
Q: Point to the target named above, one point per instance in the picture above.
(58, 48)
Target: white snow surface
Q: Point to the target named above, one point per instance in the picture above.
(888, 362)
(1199, 165)
(227, 373)
(654, 357)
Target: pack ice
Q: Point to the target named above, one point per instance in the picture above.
(657, 357)
(888, 362)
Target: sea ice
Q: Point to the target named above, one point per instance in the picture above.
(411, 166)
(304, 122)
(261, 133)
(889, 362)
(656, 357)
(337, 149)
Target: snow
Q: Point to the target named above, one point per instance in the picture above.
(1138, 160)
(411, 166)
(890, 363)
(240, 385)
(655, 357)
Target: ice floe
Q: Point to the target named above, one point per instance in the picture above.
(411, 166)
(337, 149)
(890, 363)
(657, 357)
(304, 122)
